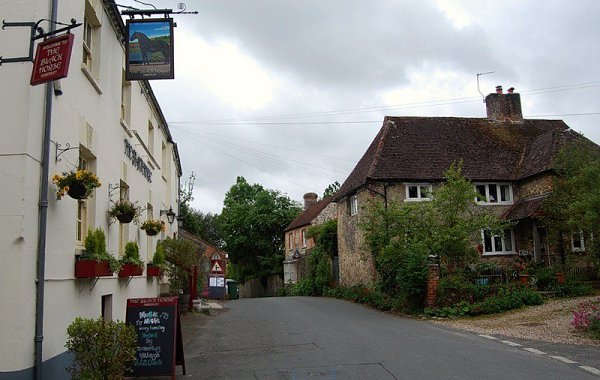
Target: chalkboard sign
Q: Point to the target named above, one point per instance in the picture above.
(160, 348)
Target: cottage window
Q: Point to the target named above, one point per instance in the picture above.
(497, 244)
(354, 204)
(418, 192)
(290, 240)
(125, 101)
(304, 238)
(494, 193)
(577, 242)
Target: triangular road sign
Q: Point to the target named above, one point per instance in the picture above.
(216, 267)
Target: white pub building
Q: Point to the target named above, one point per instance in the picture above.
(99, 122)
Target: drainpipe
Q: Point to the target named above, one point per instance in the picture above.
(43, 216)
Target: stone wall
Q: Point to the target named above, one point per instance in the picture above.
(356, 264)
(261, 287)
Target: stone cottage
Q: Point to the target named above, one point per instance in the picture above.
(297, 244)
(509, 160)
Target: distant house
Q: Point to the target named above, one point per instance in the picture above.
(509, 160)
(297, 244)
(214, 271)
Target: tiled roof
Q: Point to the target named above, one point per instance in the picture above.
(306, 217)
(422, 149)
(206, 248)
(525, 209)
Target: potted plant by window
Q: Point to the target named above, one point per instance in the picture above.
(153, 226)
(124, 211)
(131, 264)
(78, 184)
(158, 261)
(524, 269)
(95, 261)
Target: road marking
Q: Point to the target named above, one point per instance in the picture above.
(563, 359)
(593, 370)
(534, 351)
(488, 337)
(511, 343)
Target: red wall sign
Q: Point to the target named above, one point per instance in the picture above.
(52, 59)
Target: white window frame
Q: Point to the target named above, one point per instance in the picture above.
(304, 238)
(503, 249)
(420, 196)
(354, 204)
(580, 239)
(498, 187)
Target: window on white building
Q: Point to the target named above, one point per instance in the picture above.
(494, 193)
(91, 42)
(577, 242)
(498, 244)
(125, 100)
(418, 192)
(353, 204)
(151, 138)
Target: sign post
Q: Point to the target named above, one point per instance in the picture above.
(160, 347)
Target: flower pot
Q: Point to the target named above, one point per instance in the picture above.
(77, 190)
(152, 271)
(151, 231)
(92, 269)
(524, 278)
(560, 277)
(125, 218)
(130, 270)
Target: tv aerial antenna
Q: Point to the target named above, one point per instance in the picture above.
(478, 75)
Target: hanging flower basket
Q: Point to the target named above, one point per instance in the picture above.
(78, 184)
(153, 227)
(130, 270)
(124, 211)
(77, 190)
(152, 270)
(125, 217)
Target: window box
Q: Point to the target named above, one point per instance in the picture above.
(92, 269)
(153, 270)
(130, 270)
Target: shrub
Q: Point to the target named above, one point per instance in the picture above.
(506, 298)
(586, 318)
(102, 350)
(573, 288)
(159, 256)
(132, 254)
(95, 249)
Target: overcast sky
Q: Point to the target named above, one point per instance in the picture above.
(289, 94)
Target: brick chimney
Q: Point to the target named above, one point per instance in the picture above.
(504, 107)
(310, 199)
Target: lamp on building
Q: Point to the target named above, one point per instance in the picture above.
(170, 214)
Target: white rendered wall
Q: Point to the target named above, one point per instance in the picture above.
(22, 107)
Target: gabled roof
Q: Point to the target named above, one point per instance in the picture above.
(206, 248)
(423, 148)
(309, 214)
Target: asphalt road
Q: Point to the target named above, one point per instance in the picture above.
(319, 338)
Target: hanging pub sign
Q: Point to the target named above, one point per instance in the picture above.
(149, 49)
(52, 59)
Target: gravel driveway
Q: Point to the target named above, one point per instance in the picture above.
(550, 322)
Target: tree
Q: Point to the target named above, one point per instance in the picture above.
(331, 189)
(402, 236)
(204, 225)
(574, 204)
(252, 224)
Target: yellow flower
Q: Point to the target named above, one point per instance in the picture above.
(66, 189)
(55, 178)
